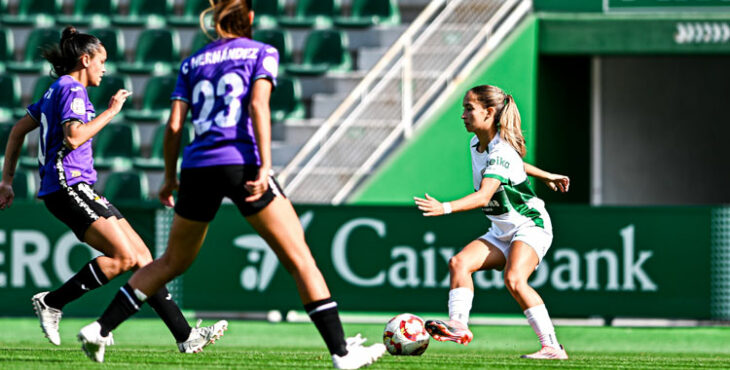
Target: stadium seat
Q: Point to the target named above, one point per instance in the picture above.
(7, 47)
(41, 84)
(200, 40)
(32, 61)
(191, 14)
(366, 13)
(145, 13)
(115, 146)
(100, 95)
(267, 12)
(312, 13)
(157, 52)
(286, 100)
(156, 100)
(94, 13)
(113, 41)
(156, 160)
(34, 13)
(24, 186)
(324, 51)
(5, 129)
(9, 98)
(127, 186)
(278, 38)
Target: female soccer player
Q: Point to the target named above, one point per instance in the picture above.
(227, 84)
(68, 122)
(521, 232)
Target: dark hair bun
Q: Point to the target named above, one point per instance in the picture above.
(68, 32)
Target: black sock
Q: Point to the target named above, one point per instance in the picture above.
(327, 320)
(170, 313)
(123, 306)
(88, 278)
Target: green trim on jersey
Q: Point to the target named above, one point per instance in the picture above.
(494, 176)
(514, 197)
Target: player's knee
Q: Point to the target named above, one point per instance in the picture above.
(124, 262)
(143, 259)
(457, 265)
(513, 282)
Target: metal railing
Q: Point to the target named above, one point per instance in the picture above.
(445, 42)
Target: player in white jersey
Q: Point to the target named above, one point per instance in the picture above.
(521, 232)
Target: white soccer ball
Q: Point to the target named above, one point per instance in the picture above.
(406, 334)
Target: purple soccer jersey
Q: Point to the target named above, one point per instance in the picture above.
(60, 166)
(216, 82)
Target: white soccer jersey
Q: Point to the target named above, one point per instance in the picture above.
(514, 205)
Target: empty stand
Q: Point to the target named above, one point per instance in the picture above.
(324, 51)
(32, 61)
(156, 100)
(145, 13)
(312, 13)
(90, 13)
(115, 146)
(367, 13)
(127, 186)
(157, 52)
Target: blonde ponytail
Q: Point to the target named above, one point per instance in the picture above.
(510, 125)
(508, 116)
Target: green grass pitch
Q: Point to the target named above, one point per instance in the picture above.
(146, 343)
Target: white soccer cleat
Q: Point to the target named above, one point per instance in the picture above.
(93, 343)
(548, 353)
(358, 355)
(48, 316)
(201, 337)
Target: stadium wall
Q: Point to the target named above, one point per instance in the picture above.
(436, 160)
(610, 261)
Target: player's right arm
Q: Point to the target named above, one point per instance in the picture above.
(12, 153)
(75, 133)
(171, 150)
(480, 198)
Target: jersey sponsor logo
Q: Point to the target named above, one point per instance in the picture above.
(499, 161)
(78, 106)
(75, 173)
(271, 66)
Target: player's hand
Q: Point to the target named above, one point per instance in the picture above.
(557, 182)
(430, 206)
(6, 195)
(258, 187)
(165, 193)
(117, 101)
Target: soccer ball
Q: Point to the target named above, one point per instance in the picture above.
(406, 334)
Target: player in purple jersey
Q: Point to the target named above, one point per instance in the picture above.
(227, 84)
(67, 123)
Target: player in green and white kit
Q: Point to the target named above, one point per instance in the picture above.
(521, 231)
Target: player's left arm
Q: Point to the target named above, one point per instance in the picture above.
(261, 119)
(552, 180)
(430, 206)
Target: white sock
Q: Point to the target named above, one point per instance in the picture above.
(460, 304)
(540, 321)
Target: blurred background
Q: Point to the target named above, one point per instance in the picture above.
(627, 97)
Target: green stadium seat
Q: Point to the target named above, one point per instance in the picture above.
(278, 38)
(156, 100)
(367, 13)
(94, 13)
(100, 95)
(113, 41)
(266, 12)
(157, 52)
(24, 186)
(3, 8)
(145, 13)
(200, 40)
(115, 146)
(156, 160)
(5, 129)
(34, 13)
(127, 186)
(286, 100)
(40, 86)
(191, 14)
(9, 98)
(32, 61)
(324, 51)
(312, 13)
(7, 47)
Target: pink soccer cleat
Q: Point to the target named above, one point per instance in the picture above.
(548, 353)
(449, 330)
